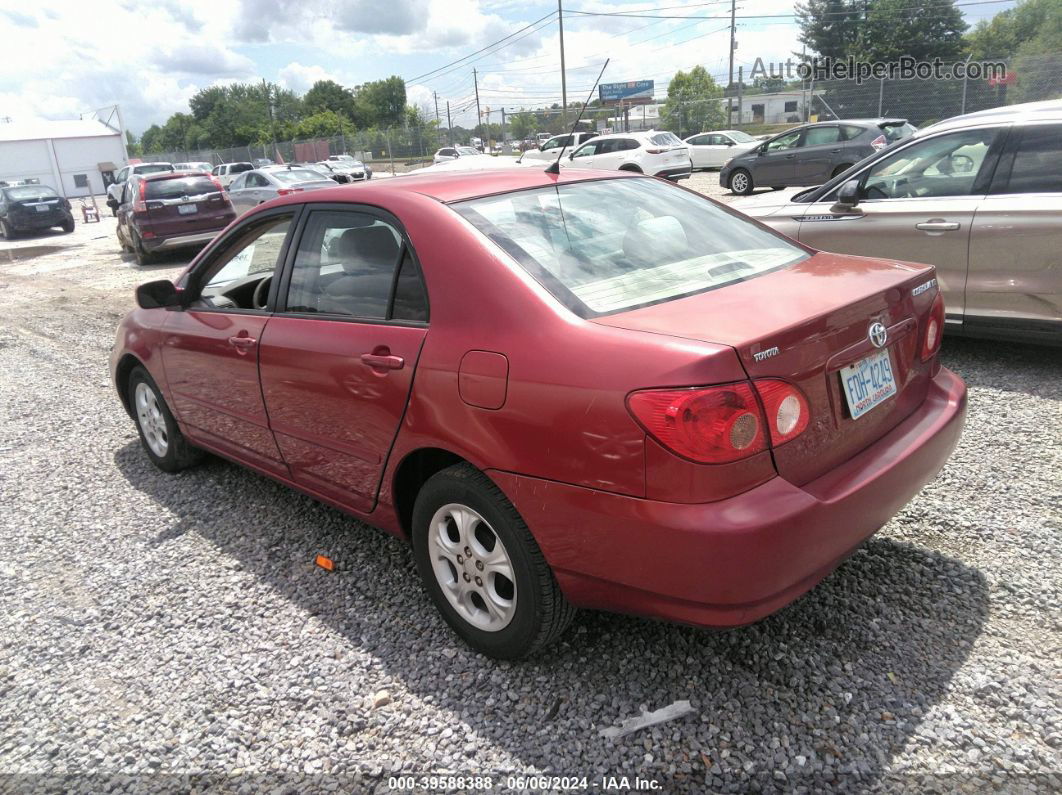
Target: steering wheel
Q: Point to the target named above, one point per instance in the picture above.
(261, 293)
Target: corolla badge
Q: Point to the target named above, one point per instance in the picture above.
(877, 334)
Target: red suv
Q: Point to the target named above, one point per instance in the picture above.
(170, 210)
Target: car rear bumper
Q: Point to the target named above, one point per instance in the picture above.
(26, 222)
(676, 173)
(738, 560)
(179, 241)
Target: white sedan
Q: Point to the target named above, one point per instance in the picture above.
(448, 153)
(713, 149)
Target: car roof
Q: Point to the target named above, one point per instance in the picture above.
(1025, 113)
(453, 186)
(161, 175)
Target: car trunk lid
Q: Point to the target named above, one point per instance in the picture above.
(183, 205)
(804, 324)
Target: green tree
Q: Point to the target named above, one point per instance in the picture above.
(829, 27)
(324, 124)
(882, 30)
(329, 95)
(151, 140)
(692, 102)
(382, 103)
(523, 125)
(132, 145)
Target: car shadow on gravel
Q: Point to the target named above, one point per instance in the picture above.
(821, 695)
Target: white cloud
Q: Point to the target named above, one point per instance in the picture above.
(300, 77)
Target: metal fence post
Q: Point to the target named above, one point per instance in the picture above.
(965, 77)
(881, 94)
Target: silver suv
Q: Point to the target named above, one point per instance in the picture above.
(979, 196)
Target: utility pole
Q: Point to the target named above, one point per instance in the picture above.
(449, 127)
(730, 84)
(564, 79)
(438, 123)
(479, 117)
(503, 128)
(741, 87)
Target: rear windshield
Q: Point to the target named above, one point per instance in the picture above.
(467, 150)
(897, 132)
(666, 139)
(611, 245)
(31, 192)
(298, 175)
(239, 168)
(180, 186)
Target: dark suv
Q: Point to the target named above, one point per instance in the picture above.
(810, 154)
(171, 210)
(25, 208)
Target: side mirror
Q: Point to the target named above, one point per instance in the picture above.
(847, 196)
(157, 295)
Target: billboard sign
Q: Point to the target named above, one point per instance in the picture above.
(634, 92)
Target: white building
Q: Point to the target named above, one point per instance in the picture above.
(70, 156)
(783, 107)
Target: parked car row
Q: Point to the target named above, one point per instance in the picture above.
(979, 196)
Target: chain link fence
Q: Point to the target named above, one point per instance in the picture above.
(921, 101)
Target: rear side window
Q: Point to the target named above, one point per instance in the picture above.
(850, 132)
(817, 136)
(176, 188)
(239, 168)
(1038, 163)
(346, 265)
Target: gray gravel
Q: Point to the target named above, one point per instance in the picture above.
(155, 624)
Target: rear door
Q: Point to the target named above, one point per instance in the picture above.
(186, 205)
(918, 205)
(211, 348)
(338, 358)
(1015, 276)
(821, 150)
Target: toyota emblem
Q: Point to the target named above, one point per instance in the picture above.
(878, 334)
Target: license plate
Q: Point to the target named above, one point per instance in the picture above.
(187, 209)
(868, 383)
(43, 208)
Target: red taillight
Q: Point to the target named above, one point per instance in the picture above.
(934, 331)
(139, 204)
(217, 183)
(879, 143)
(786, 409)
(287, 191)
(710, 425)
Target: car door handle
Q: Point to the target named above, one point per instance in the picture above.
(938, 226)
(834, 151)
(383, 361)
(243, 343)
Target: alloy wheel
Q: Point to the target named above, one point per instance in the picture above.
(472, 567)
(739, 183)
(152, 422)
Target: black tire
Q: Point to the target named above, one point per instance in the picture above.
(841, 169)
(67, 226)
(6, 232)
(143, 256)
(541, 612)
(179, 453)
(744, 181)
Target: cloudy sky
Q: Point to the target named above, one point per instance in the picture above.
(62, 59)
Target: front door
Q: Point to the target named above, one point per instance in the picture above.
(1015, 280)
(776, 163)
(917, 205)
(211, 348)
(338, 358)
(583, 157)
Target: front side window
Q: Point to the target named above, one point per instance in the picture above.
(946, 165)
(787, 141)
(610, 245)
(1038, 164)
(346, 265)
(587, 150)
(229, 280)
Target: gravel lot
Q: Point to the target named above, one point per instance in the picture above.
(157, 624)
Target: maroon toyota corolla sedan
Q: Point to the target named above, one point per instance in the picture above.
(584, 390)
